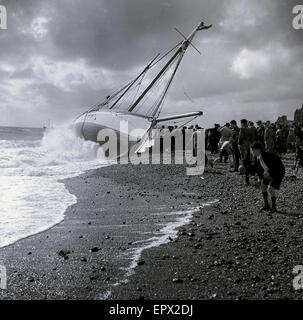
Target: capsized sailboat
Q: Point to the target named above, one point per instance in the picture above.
(140, 101)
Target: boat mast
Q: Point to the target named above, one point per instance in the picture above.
(134, 81)
(181, 51)
(155, 80)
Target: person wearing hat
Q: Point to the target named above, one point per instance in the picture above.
(234, 143)
(260, 131)
(224, 143)
(253, 133)
(244, 146)
(271, 172)
(269, 138)
(214, 138)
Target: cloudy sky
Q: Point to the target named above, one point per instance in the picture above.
(59, 57)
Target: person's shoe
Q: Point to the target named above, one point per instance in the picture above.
(242, 170)
(247, 181)
(273, 205)
(265, 208)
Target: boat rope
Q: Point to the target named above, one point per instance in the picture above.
(167, 53)
(134, 81)
(125, 88)
(157, 88)
(186, 123)
(138, 85)
(163, 70)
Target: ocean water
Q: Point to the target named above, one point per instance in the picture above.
(32, 163)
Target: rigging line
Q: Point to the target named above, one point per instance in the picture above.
(138, 85)
(156, 79)
(130, 83)
(125, 94)
(158, 101)
(97, 106)
(187, 96)
(112, 96)
(153, 106)
(125, 100)
(167, 53)
(189, 121)
(182, 52)
(152, 64)
(186, 39)
(134, 81)
(87, 111)
(160, 86)
(156, 62)
(130, 96)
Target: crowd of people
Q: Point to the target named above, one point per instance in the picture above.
(258, 150)
(233, 141)
(251, 150)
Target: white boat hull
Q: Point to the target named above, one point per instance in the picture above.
(125, 125)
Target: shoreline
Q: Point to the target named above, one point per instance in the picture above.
(38, 256)
(209, 259)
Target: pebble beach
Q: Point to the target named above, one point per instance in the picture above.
(151, 232)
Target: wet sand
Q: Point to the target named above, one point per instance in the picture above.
(229, 250)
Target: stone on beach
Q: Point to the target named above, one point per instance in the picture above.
(64, 253)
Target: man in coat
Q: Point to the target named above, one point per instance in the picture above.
(260, 131)
(269, 137)
(253, 133)
(235, 147)
(214, 138)
(244, 146)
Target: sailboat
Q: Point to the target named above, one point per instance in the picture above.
(132, 103)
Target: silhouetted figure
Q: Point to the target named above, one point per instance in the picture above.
(234, 144)
(271, 171)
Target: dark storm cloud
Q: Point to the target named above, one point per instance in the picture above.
(123, 33)
(251, 58)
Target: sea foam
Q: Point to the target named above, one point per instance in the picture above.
(32, 198)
